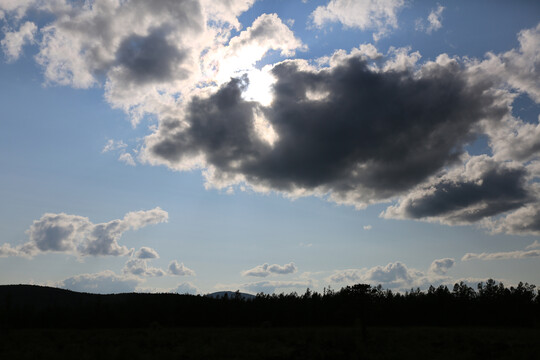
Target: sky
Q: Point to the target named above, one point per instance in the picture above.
(194, 146)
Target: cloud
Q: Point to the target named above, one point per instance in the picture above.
(78, 235)
(61, 232)
(353, 145)
(239, 57)
(140, 267)
(517, 67)
(297, 128)
(531, 251)
(270, 286)
(391, 274)
(186, 288)
(124, 39)
(519, 254)
(179, 269)
(119, 145)
(434, 20)
(379, 16)
(226, 11)
(441, 266)
(266, 269)
(483, 188)
(394, 275)
(524, 221)
(348, 275)
(13, 42)
(138, 264)
(514, 139)
(146, 253)
(7, 250)
(105, 282)
(113, 145)
(147, 55)
(127, 159)
(266, 33)
(18, 8)
(534, 245)
(367, 227)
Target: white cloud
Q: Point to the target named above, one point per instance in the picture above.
(186, 288)
(147, 54)
(105, 282)
(240, 55)
(270, 286)
(518, 68)
(401, 59)
(146, 253)
(393, 273)
(16, 8)
(348, 275)
(266, 269)
(180, 269)
(377, 15)
(127, 159)
(524, 221)
(434, 21)
(140, 267)
(7, 250)
(514, 139)
(226, 11)
(368, 227)
(393, 276)
(113, 145)
(518, 254)
(78, 235)
(14, 41)
(441, 266)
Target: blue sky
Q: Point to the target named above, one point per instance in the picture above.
(132, 162)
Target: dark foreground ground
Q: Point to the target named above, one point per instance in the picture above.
(273, 343)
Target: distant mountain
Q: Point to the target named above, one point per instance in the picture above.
(231, 295)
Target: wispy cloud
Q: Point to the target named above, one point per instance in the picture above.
(518, 254)
(434, 21)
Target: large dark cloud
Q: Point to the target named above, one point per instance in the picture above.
(484, 189)
(373, 135)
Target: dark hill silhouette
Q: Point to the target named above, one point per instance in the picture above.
(24, 306)
(231, 295)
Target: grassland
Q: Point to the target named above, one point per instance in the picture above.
(273, 343)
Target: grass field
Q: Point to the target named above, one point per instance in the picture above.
(272, 343)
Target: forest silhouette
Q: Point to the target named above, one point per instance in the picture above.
(491, 304)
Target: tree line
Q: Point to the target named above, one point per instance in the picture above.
(490, 304)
